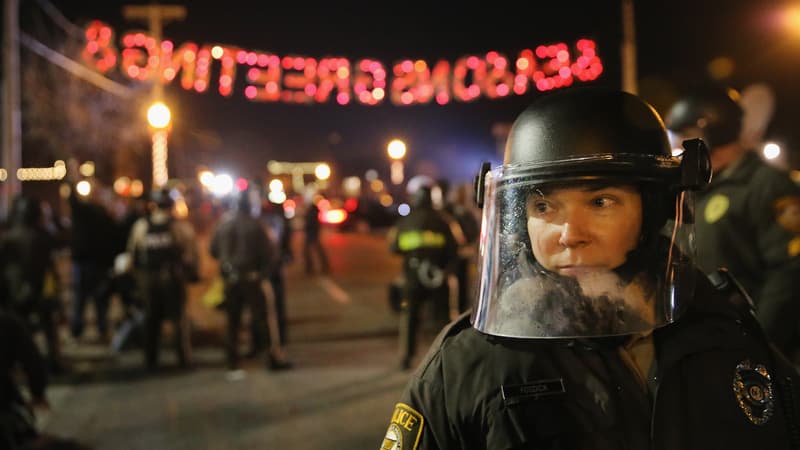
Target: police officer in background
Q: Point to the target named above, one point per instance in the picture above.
(247, 258)
(429, 249)
(748, 218)
(164, 258)
(593, 329)
(454, 203)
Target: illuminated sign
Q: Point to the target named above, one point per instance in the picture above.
(302, 79)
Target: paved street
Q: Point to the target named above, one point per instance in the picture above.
(339, 395)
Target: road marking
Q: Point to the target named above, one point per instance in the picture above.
(333, 289)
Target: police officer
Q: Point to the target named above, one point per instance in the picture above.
(247, 257)
(457, 207)
(164, 257)
(748, 218)
(429, 249)
(592, 328)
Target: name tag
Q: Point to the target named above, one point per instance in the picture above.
(517, 393)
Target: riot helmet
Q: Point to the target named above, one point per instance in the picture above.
(422, 198)
(161, 198)
(629, 268)
(711, 113)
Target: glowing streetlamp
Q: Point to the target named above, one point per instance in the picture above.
(159, 116)
(322, 171)
(396, 151)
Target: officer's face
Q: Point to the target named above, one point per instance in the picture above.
(582, 229)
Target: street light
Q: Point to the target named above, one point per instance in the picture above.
(159, 116)
(396, 151)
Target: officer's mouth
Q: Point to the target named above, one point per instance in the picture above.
(577, 271)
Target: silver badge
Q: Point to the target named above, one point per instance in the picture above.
(753, 388)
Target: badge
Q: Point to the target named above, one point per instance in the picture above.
(787, 212)
(404, 430)
(716, 207)
(753, 388)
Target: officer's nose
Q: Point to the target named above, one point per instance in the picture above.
(574, 232)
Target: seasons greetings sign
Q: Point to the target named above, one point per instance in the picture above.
(269, 77)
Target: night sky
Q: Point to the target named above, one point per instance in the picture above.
(675, 40)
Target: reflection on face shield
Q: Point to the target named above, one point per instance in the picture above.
(578, 260)
(578, 236)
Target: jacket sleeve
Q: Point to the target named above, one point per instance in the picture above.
(419, 420)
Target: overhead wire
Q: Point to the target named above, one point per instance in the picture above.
(75, 68)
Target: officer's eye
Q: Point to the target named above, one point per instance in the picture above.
(540, 206)
(603, 201)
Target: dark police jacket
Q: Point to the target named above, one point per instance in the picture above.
(748, 220)
(715, 385)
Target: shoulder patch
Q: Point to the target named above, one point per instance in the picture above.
(716, 207)
(787, 212)
(405, 429)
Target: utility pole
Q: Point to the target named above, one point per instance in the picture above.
(628, 50)
(12, 117)
(156, 16)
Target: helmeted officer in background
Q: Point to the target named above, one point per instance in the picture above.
(164, 259)
(454, 204)
(429, 249)
(592, 328)
(748, 218)
(247, 257)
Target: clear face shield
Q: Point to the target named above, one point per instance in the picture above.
(586, 256)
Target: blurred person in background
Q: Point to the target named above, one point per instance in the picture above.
(280, 228)
(29, 273)
(456, 204)
(429, 249)
(123, 282)
(164, 258)
(748, 218)
(593, 328)
(92, 250)
(247, 258)
(312, 244)
(19, 407)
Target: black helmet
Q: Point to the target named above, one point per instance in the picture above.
(713, 110)
(586, 137)
(567, 131)
(161, 198)
(422, 197)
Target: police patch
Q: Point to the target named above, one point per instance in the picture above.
(787, 212)
(716, 207)
(753, 388)
(404, 430)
